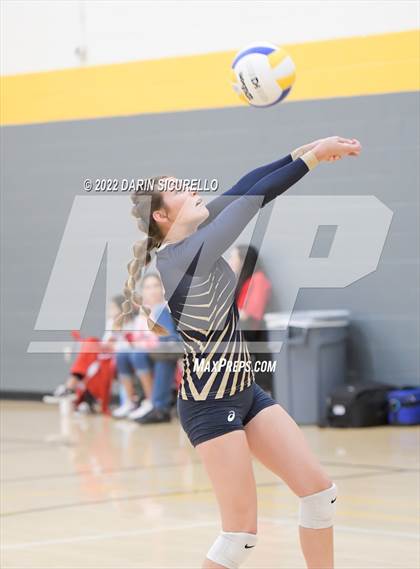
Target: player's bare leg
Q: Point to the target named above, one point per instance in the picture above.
(277, 442)
(227, 460)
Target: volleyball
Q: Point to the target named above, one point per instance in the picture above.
(263, 74)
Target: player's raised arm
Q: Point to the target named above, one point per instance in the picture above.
(216, 237)
(245, 183)
(325, 150)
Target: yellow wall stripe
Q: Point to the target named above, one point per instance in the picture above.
(367, 65)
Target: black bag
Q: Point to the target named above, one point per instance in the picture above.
(361, 404)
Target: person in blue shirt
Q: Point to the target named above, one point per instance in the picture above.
(143, 357)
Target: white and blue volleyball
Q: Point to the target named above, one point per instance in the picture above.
(263, 74)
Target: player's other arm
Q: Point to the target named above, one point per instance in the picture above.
(242, 186)
(208, 243)
(245, 183)
(325, 150)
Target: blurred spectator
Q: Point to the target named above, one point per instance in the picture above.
(93, 369)
(253, 293)
(154, 367)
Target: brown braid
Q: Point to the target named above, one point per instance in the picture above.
(142, 256)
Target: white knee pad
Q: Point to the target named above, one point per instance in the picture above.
(317, 511)
(232, 548)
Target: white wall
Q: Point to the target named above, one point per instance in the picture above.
(43, 35)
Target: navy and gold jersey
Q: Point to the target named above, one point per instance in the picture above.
(200, 286)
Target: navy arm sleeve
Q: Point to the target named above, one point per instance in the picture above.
(243, 185)
(208, 243)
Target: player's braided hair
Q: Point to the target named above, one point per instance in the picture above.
(142, 254)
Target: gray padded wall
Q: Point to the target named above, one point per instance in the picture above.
(44, 165)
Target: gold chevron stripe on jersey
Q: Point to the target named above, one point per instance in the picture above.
(225, 377)
(219, 341)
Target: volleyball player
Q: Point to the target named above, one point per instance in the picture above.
(225, 414)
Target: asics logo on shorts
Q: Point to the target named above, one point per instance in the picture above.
(231, 416)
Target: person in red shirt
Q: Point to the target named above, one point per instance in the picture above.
(253, 294)
(93, 369)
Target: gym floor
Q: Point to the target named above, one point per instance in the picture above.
(89, 491)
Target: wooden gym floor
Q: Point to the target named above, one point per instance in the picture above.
(90, 492)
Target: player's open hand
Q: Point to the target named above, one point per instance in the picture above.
(336, 147)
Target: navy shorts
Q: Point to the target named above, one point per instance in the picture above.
(205, 420)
